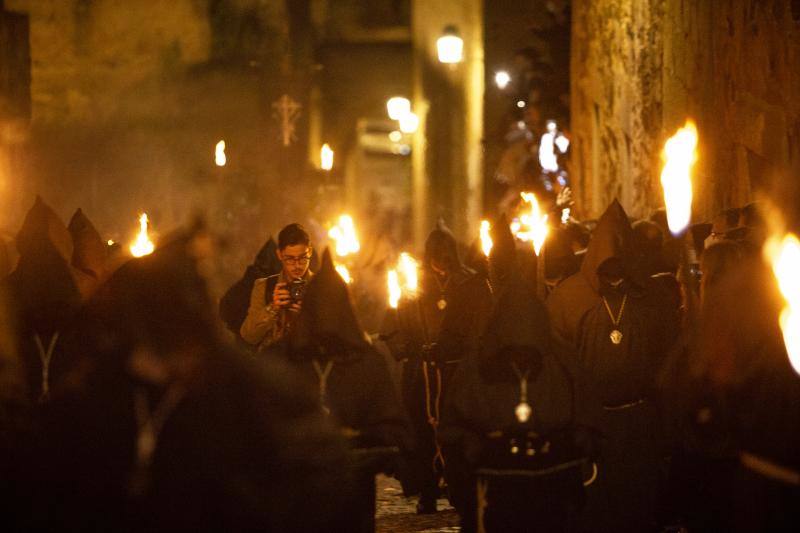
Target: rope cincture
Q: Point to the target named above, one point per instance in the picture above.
(45, 356)
(432, 411)
(149, 425)
(323, 375)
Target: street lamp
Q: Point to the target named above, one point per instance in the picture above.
(502, 79)
(398, 106)
(450, 46)
(409, 123)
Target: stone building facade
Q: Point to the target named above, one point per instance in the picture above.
(641, 67)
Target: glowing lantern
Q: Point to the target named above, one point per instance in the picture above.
(219, 154)
(110, 242)
(325, 157)
(395, 292)
(680, 154)
(142, 245)
(784, 255)
(486, 239)
(531, 226)
(344, 273)
(450, 46)
(397, 107)
(344, 235)
(502, 79)
(409, 123)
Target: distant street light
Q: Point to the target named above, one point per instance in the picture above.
(450, 46)
(520, 103)
(398, 106)
(326, 157)
(409, 123)
(502, 79)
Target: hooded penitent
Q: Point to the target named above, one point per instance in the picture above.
(436, 328)
(357, 388)
(486, 392)
(161, 427)
(233, 305)
(503, 257)
(89, 254)
(43, 293)
(622, 324)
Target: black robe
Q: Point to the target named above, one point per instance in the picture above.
(623, 375)
(485, 392)
(432, 340)
(330, 351)
(243, 448)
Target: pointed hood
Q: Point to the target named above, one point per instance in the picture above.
(327, 324)
(160, 300)
(43, 284)
(266, 260)
(519, 320)
(42, 229)
(612, 238)
(89, 251)
(441, 246)
(504, 251)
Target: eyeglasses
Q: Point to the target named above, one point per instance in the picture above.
(300, 261)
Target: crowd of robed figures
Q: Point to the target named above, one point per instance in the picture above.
(610, 394)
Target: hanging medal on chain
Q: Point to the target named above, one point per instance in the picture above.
(442, 302)
(616, 334)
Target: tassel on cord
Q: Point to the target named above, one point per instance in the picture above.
(45, 356)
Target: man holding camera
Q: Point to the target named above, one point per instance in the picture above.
(276, 300)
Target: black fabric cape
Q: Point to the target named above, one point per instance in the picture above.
(244, 449)
(624, 375)
(485, 391)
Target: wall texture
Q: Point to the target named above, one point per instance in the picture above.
(641, 67)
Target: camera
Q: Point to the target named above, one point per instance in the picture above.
(297, 290)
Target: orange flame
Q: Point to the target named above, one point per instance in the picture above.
(784, 256)
(395, 291)
(408, 268)
(531, 226)
(344, 235)
(680, 154)
(486, 239)
(344, 272)
(142, 245)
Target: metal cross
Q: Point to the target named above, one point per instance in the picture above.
(287, 111)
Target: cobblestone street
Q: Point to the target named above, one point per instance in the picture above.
(397, 514)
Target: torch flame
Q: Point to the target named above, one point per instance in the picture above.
(784, 255)
(344, 273)
(532, 226)
(142, 245)
(680, 154)
(408, 268)
(219, 154)
(395, 292)
(344, 235)
(486, 239)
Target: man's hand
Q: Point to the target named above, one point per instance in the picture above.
(295, 307)
(280, 296)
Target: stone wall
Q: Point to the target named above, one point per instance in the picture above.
(641, 67)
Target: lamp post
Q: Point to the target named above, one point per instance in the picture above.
(450, 46)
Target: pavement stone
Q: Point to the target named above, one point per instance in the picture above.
(394, 513)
